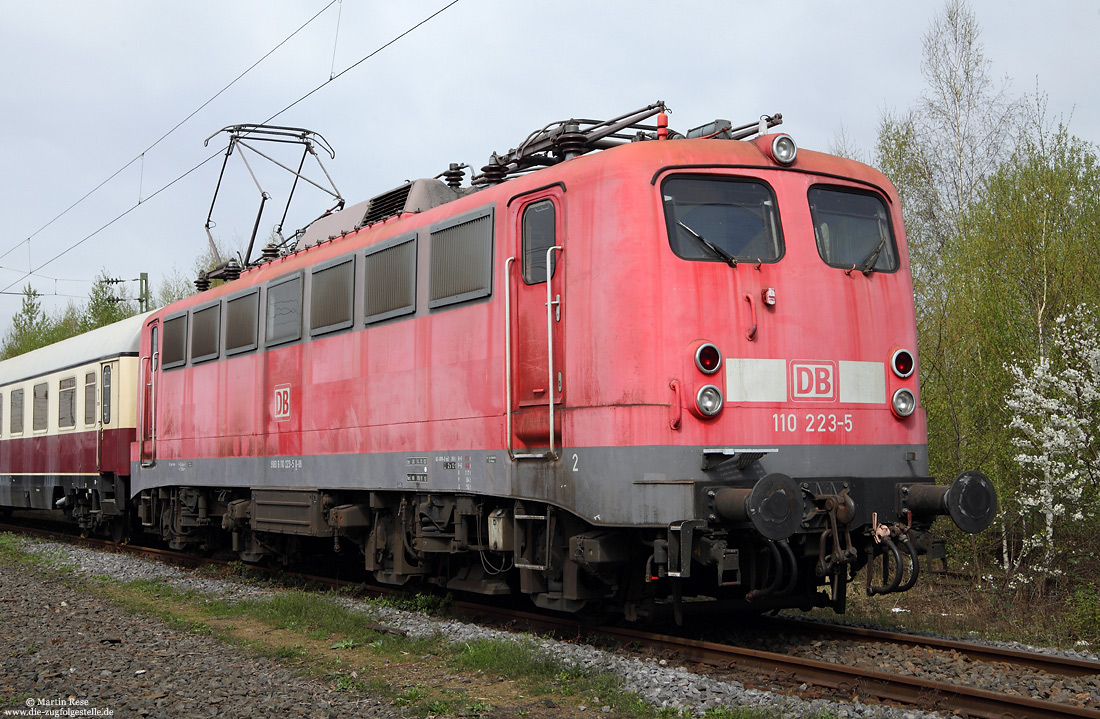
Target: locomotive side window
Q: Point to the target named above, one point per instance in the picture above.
(40, 408)
(242, 316)
(538, 236)
(390, 278)
(89, 398)
(66, 403)
(330, 297)
(16, 426)
(174, 348)
(852, 229)
(461, 259)
(284, 311)
(728, 220)
(204, 333)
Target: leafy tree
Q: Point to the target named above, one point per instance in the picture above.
(108, 302)
(29, 327)
(1002, 216)
(32, 327)
(1055, 405)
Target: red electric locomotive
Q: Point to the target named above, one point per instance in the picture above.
(622, 367)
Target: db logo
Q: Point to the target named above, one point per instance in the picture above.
(282, 402)
(813, 381)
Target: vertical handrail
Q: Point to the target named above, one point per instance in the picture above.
(550, 341)
(508, 351)
(141, 409)
(153, 364)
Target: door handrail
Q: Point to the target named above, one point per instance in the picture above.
(550, 343)
(508, 352)
(151, 394)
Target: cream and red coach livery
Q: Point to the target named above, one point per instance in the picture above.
(623, 367)
(67, 419)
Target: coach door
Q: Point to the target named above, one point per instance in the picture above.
(535, 282)
(109, 456)
(147, 417)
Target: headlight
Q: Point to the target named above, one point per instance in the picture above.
(904, 403)
(784, 150)
(709, 400)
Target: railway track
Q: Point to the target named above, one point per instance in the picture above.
(785, 669)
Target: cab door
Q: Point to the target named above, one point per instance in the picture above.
(147, 414)
(536, 281)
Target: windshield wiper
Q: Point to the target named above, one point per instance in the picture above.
(867, 266)
(726, 257)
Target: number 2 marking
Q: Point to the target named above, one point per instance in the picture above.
(575, 460)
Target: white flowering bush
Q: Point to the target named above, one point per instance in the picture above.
(1054, 406)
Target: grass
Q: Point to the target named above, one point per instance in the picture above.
(321, 636)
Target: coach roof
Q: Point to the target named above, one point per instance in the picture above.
(121, 338)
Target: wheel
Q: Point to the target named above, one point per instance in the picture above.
(120, 530)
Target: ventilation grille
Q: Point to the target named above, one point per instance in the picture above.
(461, 262)
(391, 282)
(241, 315)
(387, 204)
(331, 298)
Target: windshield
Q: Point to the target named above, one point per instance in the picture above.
(719, 220)
(852, 229)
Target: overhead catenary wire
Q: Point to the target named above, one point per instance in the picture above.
(141, 156)
(140, 202)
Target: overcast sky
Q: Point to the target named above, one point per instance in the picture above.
(87, 87)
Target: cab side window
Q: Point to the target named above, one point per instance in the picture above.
(538, 237)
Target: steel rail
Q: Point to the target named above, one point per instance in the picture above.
(915, 691)
(1049, 663)
(924, 693)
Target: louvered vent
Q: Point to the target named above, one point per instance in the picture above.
(387, 204)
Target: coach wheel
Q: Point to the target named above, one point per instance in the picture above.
(120, 530)
(5, 512)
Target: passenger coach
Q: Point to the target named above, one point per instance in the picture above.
(67, 420)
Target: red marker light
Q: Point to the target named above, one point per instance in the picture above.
(708, 359)
(903, 363)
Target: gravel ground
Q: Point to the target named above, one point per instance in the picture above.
(136, 664)
(70, 650)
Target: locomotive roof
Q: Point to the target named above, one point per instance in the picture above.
(120, 338)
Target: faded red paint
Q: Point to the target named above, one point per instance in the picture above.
(633, 313)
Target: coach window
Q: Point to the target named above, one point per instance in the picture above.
(66, 403)
(722, 219)
(284, 311)
(204, 333)
(390, 277)
(331, 296)
(40, 409)
(852, 229)
(89, 398)
(461, 264)
(538, 237)
(106, 403)
(16, 422)
(173, 352)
